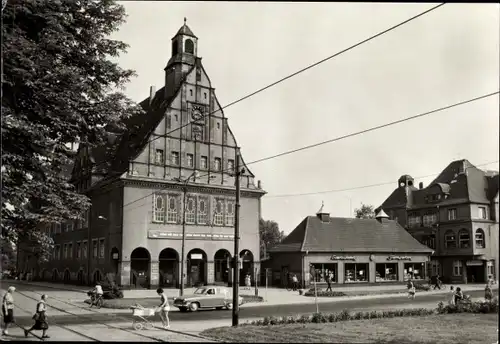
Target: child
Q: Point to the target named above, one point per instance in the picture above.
(451, 296)
(411, 290)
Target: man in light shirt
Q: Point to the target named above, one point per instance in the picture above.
(98, 289)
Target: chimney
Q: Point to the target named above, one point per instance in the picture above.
(420, 185)
(152, 93)
(381, 216)
(322, 214)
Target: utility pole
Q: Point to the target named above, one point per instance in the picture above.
(236, 269)
(183, 244)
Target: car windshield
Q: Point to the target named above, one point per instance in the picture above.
(201, 291)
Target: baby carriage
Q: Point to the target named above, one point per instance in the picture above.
(141, 317)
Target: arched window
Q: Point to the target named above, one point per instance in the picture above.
(450, 240)
(480, 238)
(189, 46)
(175, 48)
(463, 238)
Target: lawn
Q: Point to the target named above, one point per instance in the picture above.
(154, 302)
(441, 329)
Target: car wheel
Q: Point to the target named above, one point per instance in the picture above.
(229, 306)
(138, 326)
(194, 306)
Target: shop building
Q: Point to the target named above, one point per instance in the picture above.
(173, 166)
(352, 250)
(457, 216)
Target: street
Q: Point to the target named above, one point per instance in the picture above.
(71, 318)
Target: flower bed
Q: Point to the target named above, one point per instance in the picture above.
(345, 315)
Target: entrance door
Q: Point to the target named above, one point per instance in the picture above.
(195, 274)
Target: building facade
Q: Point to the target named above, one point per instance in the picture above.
(173, 166)
(457, 216)
(353, 251)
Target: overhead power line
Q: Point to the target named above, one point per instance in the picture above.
(296, 73)
(340, 138)
(363, 186)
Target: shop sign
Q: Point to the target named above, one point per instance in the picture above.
(398, 258)
(474, 263)
(334, 257)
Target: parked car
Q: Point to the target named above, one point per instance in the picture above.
(206, 297)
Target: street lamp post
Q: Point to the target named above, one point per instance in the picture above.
(183, 242)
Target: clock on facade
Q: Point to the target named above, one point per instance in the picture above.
(196, 115)
(372, 257)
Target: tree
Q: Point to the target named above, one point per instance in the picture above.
(270, 235)
(59, 86)
(365, 212)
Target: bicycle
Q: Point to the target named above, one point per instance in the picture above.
(95, 300)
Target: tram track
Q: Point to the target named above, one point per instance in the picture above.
(55, 323)
(115, 316)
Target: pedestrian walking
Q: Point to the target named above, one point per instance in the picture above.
(295, 282)
(451, 296)
(8, 309)
(437, 282)
(329, 282)
(488, 293)
(163, 308)
(40, 318)
(411, 289)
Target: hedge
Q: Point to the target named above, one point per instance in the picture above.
(345, 315)
(324, 293)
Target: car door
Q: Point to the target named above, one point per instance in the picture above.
(211, 298)
(219, 297)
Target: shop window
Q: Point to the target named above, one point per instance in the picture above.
(480, 238)
(458, 268)
(320, 272)
(414, 271)
(463, 239)
(386, 272)
(356, 273)
(450, 240)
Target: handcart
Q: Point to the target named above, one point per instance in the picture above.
(141, 317)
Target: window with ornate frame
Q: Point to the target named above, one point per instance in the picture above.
(172, 209)
(202, 210)
(479, 236)
(230, 212)
(219, 212)
(463, 239)
(158, 208)
(450, 240)
(429, 219)
(190, 208)
(414, 221)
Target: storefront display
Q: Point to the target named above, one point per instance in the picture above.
(386, 272)
(414, 271)
(320, 272)
(356, 272)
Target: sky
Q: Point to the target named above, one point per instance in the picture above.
(447, 56)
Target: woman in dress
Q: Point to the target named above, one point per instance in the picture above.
(8, 309)
(163, 308)
(40, 319)
(488, 293)
(411, 289)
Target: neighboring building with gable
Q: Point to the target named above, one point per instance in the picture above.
(351, 250)
(457, 216)
(133, 231)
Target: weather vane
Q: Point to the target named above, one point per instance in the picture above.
(185, 20)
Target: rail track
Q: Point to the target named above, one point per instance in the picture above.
(195, 337)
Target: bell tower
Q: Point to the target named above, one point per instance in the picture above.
(183, 57)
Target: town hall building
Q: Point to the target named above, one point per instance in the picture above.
(173, 165)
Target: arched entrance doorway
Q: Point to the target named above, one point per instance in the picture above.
(247, 267)
(67, 276)
(96, 277)
(221, 268)
(168, 262)
(196, 267)
(139, 268)
(55, 275)
(80, 277)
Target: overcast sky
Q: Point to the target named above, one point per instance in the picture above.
(447, 56)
